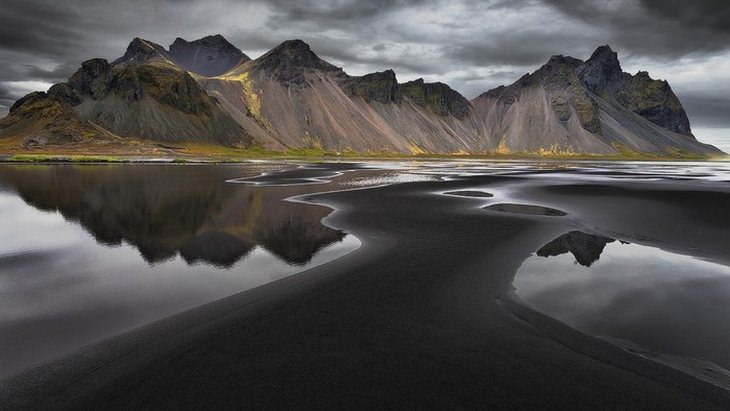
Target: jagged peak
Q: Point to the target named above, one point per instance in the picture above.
(288, 61)
(140, 44)
(605, 53)
(386, 74)
(298, 53)
(215, 41)
(212, 38)
(644, 75)
(141, 50)
(560, 60)
(94, 64)
(437, 96)
(606, 58)
(92, 78)
(293, 46)
(435, 84)
(208, 56)
(558, 71)
(601, 68)
(381, 86)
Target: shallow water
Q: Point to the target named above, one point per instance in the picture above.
(89, 251)
(642, 297)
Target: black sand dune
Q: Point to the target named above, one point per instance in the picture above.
(422, 315)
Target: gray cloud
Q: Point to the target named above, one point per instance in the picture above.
(714, 14)
(342, 13)
(6, 100)
(707, 109)
(472, 45)
(42, 27)
(659, 28)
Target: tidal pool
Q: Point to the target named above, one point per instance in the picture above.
(669, 307)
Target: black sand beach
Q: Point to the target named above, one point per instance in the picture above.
(423, 314)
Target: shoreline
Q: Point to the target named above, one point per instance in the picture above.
(243, 157)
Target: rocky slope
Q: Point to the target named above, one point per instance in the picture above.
(570, 106)
(208, 91)
(209, 56)
(143, 95)
(289, 97)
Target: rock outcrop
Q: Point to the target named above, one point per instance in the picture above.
(141, 95)
(290, 61)
(652, 99)
(569, 106)
(210, 56)
(437, 97)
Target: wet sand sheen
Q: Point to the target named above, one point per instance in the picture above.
(526, 209)
(422, 314)
(470, 193)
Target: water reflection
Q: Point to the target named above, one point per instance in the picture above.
(671, 307)
(586, 248)
(89, 251)
(165, 210)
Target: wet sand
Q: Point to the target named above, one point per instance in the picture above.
(421, 315)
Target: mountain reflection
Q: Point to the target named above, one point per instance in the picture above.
(586, 248)
(168, 210)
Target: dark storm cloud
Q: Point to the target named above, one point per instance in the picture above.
(335, 13)
(707, 109)
(5, 95)
(45, 28)
(527, 48)
(472, 45)
(714, 14)
(661, 28)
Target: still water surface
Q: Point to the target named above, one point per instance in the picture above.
(674, 308)
(90, 251)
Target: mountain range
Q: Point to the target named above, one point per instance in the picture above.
(208, 92)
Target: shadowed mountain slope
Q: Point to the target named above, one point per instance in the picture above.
(571, 106)
(209, 56)
(142, 95)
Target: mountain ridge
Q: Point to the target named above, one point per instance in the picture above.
(208, 91)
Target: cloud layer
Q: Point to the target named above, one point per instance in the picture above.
(473, 45)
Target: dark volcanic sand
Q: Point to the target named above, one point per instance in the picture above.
(422, 315)
(469, 193)
(525, 209)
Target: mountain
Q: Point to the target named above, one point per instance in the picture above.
(210, 56)
(142, 95)
(571, 106)
(289, 97)
(651, 99)
(208, 91)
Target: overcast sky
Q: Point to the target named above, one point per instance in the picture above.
(471, 45)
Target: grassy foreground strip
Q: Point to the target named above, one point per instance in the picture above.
(195, 153)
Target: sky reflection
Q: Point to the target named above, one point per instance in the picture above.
(663, 302)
